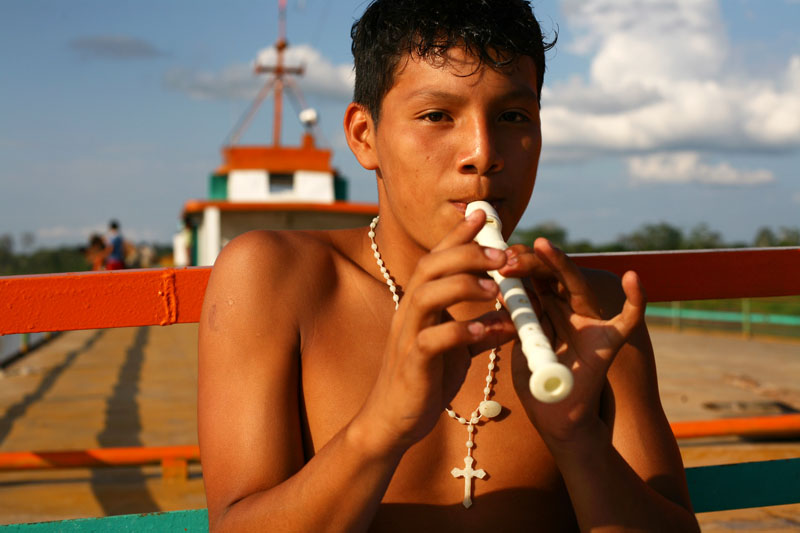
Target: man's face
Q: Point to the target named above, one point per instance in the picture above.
(451, 134)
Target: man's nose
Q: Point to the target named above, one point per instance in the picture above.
(480, 154)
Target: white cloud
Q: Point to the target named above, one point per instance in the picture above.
(114, 47)
(321, 77)
(236, 82)
(686, 167)
(659, 82)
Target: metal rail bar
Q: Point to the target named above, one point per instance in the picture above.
(59, 302)
(777, 426)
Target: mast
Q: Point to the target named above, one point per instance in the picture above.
(280, 78)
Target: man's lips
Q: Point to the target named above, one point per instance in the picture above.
(461, 205)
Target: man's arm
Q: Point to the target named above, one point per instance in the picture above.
(248, 412)
(610, 439)
(629, 475)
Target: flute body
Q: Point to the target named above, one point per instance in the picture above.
(550, 380)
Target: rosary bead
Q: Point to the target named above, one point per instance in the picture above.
(490, 408)
(487, 408)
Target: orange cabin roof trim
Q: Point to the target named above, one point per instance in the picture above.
(197, 206)
(278, 159)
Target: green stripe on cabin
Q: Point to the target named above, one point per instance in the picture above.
(340, 187)
(218, 186)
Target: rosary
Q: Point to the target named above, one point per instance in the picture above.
(486, 409)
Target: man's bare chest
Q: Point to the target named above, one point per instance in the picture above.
(338, 369)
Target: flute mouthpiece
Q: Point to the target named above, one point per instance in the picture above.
(492, 218)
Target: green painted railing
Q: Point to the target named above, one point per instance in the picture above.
(713, 488)
(723, 316)
(195, 521)
(744, 485)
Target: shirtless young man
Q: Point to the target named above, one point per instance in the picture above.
(322, 408)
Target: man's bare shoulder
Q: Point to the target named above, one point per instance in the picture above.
(270, 259)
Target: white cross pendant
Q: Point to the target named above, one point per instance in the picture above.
(468, 473)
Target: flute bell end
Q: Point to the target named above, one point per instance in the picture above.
(551, 383)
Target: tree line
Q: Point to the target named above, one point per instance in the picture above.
(661, 236)
(47, 260)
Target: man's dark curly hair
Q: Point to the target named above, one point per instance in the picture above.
(497, 32)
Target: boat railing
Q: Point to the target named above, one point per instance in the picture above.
(150, 297)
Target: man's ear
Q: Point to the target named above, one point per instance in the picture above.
(359, 130)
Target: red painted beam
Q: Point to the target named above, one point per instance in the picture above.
(139, 455)
(58, 302)
(780, 426)
(763, 426)
(707, 274)
(119, 298)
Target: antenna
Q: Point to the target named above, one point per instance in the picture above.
(281, 77)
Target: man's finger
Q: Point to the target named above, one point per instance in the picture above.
(633, 309)
(463, 232)
(523, 263)
(582, 299)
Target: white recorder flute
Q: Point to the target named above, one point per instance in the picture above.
(550, 380)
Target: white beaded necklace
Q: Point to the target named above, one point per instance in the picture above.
(486, 409)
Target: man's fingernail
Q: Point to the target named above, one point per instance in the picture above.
(512, 258)
(476, 328)
(493, 253)
(487, 284)
(473, 217)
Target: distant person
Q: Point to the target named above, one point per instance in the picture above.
(115, 258)
(147, 255)
(96, 252)
(182, 243)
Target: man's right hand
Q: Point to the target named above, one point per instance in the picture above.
(428, 353)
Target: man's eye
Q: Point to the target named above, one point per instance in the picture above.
(436, 116)
(513, 116)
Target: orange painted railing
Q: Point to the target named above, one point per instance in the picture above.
(754, 427)
(173, 459)
(60, 302)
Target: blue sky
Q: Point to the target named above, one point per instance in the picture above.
(677, 111)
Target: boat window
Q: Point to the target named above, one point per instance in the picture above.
(281, 183)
